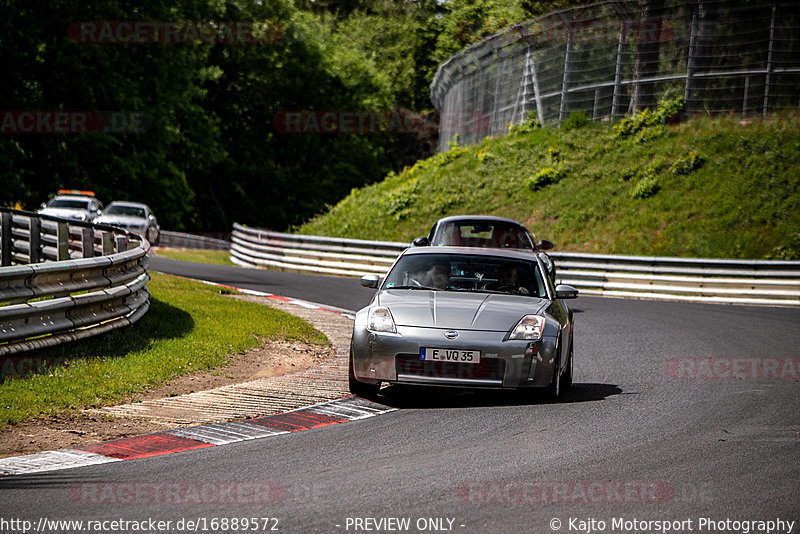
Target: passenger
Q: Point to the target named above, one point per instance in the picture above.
(508, 280)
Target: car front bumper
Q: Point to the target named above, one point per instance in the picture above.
(503, 363)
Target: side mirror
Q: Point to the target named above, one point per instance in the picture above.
(44, 205)
(544, 244)
(99, 212)
(370, 280)
(151, 217)
(421, 242)
(564, 291)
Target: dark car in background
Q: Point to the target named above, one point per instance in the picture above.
(487, 231)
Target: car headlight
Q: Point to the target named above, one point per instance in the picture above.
(380, 320)
(529, 328)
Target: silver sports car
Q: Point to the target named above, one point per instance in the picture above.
(456, 316)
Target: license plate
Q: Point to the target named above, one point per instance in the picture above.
(450, 355)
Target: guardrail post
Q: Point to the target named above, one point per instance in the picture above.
(87, 242)
(35, 240)
(62, 246)
(122, 243)
(5, 241)
(107, 243)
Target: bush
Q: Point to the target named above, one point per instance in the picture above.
(528, 125)
(788, 251)
(576, 119)
(688, 163)
(401, 199)
(544, 177)
(645, 119)
(646, 187)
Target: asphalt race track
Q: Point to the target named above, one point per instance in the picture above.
(680, 413)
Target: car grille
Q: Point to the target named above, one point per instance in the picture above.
(488, 368)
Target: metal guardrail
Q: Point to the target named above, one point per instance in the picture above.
(748, 282)
(61, 280)
(211, 241)
(323, 255)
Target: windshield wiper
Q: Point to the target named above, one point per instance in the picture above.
(415, 287)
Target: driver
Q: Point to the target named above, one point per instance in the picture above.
(439, 275)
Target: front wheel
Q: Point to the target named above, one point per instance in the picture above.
(362, 389)
(566, 378)
(554, 389)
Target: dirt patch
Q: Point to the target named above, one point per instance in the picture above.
(272, 358)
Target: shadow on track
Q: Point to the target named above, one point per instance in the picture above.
(428, 397)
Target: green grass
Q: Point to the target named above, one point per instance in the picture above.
(190, 326)
(683, 190)
(215, 257)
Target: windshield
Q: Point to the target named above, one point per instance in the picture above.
(131, 211)
(483, 235)
(73, 204)
(461, 272)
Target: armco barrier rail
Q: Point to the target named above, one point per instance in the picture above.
(750, 282)
(169, 239)
(325, 255)
(62, 281)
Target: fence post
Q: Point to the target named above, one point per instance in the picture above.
(122, 243)
(536, 93)
(87, 242)
(562, 111)
(498, 71)
(596, 103)
(5, 241)
(62, 245)
(35, 240)
(107, 243)
(769, 60)
(746, 91)
(690, 61)
(615, 105)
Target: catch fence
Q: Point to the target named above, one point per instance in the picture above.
(611, 58)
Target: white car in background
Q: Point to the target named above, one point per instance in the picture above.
(133, 216)
(73, 205)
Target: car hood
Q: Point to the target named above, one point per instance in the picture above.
(66, 213)
(121, 219)
(465, 311)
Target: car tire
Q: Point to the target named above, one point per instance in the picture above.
(362, 389)
(554, 389)
(566, 378)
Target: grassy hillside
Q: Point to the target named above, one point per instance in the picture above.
(700, 188)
